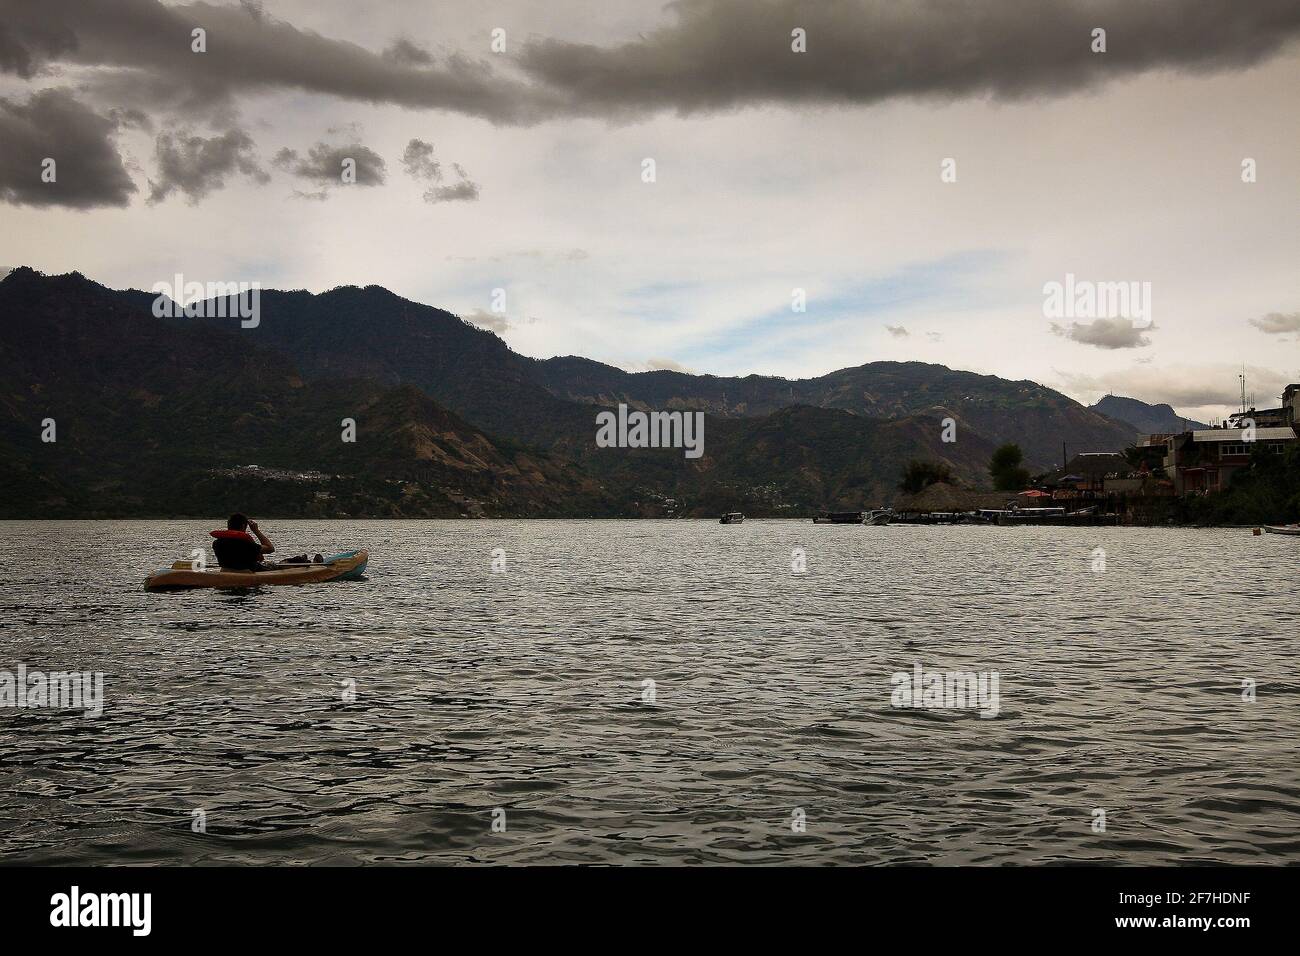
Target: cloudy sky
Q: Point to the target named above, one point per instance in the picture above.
(503, 145)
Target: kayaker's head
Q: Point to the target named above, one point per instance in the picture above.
(237, 522)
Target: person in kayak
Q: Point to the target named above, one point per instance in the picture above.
(239, 550)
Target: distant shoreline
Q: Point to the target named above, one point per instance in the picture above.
(270, 519)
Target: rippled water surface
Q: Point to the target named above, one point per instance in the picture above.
(523, 691)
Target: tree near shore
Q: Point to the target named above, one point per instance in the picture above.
(1005, 468)
(1265, 492)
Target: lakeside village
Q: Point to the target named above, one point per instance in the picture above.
(1245, 472)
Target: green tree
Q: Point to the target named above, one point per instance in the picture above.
(1267, 492)
(1005, 469)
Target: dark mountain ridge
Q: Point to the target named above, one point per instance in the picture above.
(149, 417)
(373, 333)
(1032, 415)
(448, 414)
(1145, 419)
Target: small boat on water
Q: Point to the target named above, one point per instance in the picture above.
(732, 517)
(839, 517)
(1282, 529)
(347, 566)
(878, 516)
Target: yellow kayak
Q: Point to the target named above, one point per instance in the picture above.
(347, 566)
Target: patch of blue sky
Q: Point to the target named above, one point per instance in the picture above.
(659, 300)
(949, 285)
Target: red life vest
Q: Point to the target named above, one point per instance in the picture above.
(236, 550)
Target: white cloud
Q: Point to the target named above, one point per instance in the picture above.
(1276, 323)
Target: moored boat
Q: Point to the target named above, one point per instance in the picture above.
(732, 517)
(1282, 529)
(839, 517)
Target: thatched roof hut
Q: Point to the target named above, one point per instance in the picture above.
(940, 496)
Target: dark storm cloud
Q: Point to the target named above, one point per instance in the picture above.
(1105, 333)
(719, 54)
(26, 43)
(404, 51)
(324, 163)
(52, 124)
(709, 55)
(161, 97)
(196, 165)
(248, 50)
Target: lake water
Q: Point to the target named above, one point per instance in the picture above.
(521, 696)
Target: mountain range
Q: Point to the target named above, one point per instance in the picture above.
(165, 416)
(1147, 419)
